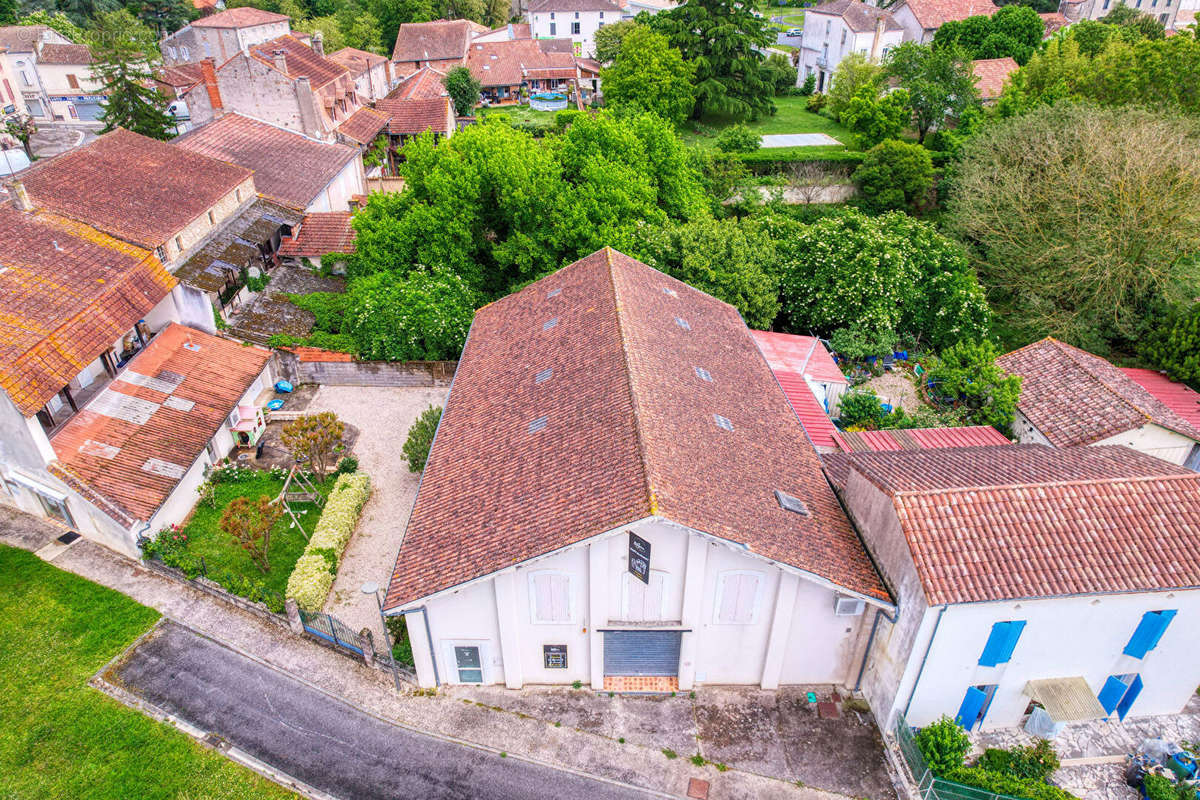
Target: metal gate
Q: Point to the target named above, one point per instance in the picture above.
(331, 629)
(653, 653)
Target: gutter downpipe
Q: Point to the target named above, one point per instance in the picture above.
(924, 658)
(437, 680)
(879, 612)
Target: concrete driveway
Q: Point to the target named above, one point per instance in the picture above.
(321, 741)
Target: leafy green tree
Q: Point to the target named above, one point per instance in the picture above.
(944, 744)
(474, 10)
(22, 128)
(649, 75)
(498, 13)
(164, 16)
(738, 139)
(725, 258)
(121, 48)
(1084, 223)
(1176, 348)
(939, 81)
(393, 13)
(8, 12)
(1040, 6)
(1014, 30)
(463, 89)
(782, 73)
(725, 39)
(894, 175)
(421, 316)
(328, 26)
(420, 438)
(966, 372)
(1133, 24)
(860, 409)
(57, 21)
(609, 38)
(872, 119)
(854, 73)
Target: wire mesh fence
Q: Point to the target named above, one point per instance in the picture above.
(929, 786)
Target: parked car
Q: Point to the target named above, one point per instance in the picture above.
(796, 32)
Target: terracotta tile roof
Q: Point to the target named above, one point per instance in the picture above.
(1075, 398)
(1054, 21)
(510, 63)
(180, 75)
(66, 294)
(439, 40)
(425, 83)
(416, 116)
(300, 60)
(622, 429)
(131, 187)
(992, 73)
(541, 6)
(1178, 397)
(21, 38)
(859, 16)
(363, 125)
(288, 167)
(1005, 523)
(922, 438)
(238, 244)
(821, 431)
(200, 5)
(242, 17)
(136, 462)
(803, 355)
(355, 60)
(932, 14)
(64, 54)
(403, 69)
(311, 355)
(319, 235)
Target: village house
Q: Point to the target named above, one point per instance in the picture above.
(577, 20)
(12, 104)
(1070, 398)
(920, 19)
(290, 169)
(619, 494)
(1013, 588)
(407, 119)
(208, 7)
(372, 73)
(1164, 11)
(504, 68)
(223, 35)
(72, 91)
(991, 75)
(441, 44)
(317, 236)
(835, 29)
(20, 49)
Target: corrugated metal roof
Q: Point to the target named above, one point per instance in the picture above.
(921, 439)
(816, 422)
(1176, 396)
(802, 355)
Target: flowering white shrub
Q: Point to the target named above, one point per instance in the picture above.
(310, 582)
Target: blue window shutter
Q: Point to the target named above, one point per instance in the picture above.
(1114, 689)
(1001, 642)
(1135, 689)
(1010, 640)
(1148, 632)
(968, 712)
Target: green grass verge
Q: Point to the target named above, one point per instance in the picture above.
(221, 553)
(792, 117)
(523, 114)
(60, 737)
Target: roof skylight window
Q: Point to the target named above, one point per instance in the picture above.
(538, 424)
(544, 375)
(703, 374)
(550, 323)
(789, 503)
(683, 323)
(553, 293)
(722, 422)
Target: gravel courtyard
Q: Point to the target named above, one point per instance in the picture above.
(383, 417)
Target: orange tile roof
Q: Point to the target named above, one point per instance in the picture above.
(363, 125)
(67, 293)
(1022, 521)
(628, 429)
(355, 60)
(133, 442)
(440, 40)
(991, 75)
(130, 186)
(417, 116)
(241, 17)
(1075, 398)
(64, 54)
(423, 84)
(320, 234)
(511, 62)
(933, 14)
(1178, 397)
(300, 60)
(180, 75)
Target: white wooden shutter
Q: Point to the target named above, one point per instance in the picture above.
(737, 598)
(550, 595)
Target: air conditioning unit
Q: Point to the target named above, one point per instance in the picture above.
(847, 606)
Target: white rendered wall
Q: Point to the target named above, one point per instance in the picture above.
(1154, 441)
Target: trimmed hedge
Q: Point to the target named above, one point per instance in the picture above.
(313, 575)
(777, 159)
(1006, 784)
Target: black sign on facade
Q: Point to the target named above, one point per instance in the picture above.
(554, 656)
(639, 558)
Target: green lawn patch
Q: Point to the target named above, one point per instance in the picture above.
(523, 114)
(792, 117)
(221, 553)
(60, 737)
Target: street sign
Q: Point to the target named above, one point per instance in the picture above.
(554, 656)
(639, 558)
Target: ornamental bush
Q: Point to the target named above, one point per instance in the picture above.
(999, 783)
(1036, 762)
(944, 744)
(861, 408)
(967, 375)
(894, 176)
(421, 316)
(310, 582)
(1176, 347)
(420, 438)
(738, 139)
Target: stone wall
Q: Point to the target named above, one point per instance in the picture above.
(365, 373)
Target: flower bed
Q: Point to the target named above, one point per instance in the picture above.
(315, 570)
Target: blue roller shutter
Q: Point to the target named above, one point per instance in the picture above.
(1148, 632)
(1001, 643)
(641, 652)
(968, 712)
(1112, 692)
(1135, 689)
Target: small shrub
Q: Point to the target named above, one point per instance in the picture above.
(577, 684)
(738, 139)
(860, 407)
(894, 175)
(1036, 762)
(698, 760)
(944, 744)
(669, 753)
(333, 530)
(1000, 783)
(816, 102)
(420, 438)
(310, 582)
(564, 118)
(401, 645)
(347, 465)
(1160, 787)
(809, 86)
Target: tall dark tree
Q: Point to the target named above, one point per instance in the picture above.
(463, 89)
(940, 83)
(123, 48)
(163, 16)
(8, 12)
(726, 41)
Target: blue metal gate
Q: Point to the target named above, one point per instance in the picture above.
(331, 629)
(642, 652)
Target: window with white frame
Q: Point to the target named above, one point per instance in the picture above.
(550, 597)
(737, 597)
(644, 602)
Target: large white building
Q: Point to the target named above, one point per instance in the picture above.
(619, 494)
(1027, 573)
(577, 20)
(1176, 14)
(838, 28)
(921, 19)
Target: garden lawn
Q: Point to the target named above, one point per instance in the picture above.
(221, 553)
(524, 114)
(61, 738)
(792, 117)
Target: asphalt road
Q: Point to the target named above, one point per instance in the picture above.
(323, 742)
(793, 41)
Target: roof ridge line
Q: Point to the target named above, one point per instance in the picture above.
(643, 455)
(1077, 482)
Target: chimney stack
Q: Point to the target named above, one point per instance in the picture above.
(208, 71)
(308, 108)
(318, 43)
(21, 200)
(280, 59)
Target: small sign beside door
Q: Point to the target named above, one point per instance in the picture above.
(639, 558)
(554, 656)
